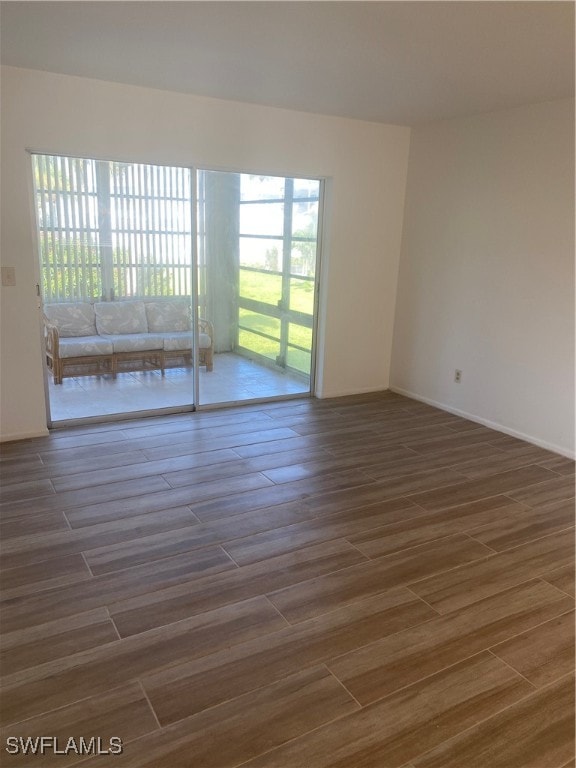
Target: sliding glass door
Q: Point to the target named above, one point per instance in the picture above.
(165, 287)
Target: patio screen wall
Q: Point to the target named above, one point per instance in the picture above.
(112, 230)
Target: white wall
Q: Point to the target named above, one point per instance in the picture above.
(486, 280)
(365, 162)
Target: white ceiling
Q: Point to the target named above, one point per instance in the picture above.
(392, 62)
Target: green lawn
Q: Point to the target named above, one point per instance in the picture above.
(268, 289)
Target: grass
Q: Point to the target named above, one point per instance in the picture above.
(267, 288)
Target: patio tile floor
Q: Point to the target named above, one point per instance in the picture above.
(233, 379)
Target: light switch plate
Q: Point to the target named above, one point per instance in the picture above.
(9, 276)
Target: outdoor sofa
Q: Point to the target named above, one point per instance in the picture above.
(87, 339)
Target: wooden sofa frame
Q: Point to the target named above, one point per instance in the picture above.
(96, 365)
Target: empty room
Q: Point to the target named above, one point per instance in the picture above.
(287, 388)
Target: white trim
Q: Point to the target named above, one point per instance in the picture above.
(487, 423)
(23, 436)
(349, 392)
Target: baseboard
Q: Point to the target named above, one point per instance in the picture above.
(349, 393)
(9, 438)
(486, 423)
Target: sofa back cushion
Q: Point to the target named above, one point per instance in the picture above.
(74, 319)
(166, 316)
(121, 317)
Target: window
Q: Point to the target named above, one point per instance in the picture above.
(278, 244)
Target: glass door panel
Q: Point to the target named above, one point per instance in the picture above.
(115, 248)
(257, 254)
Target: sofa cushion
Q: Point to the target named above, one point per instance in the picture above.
(75, 319)
(172, 315)
(85, 346)
(120, 317)
(179, 340)
(135, 342)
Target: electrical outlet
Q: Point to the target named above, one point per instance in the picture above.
(457, 376)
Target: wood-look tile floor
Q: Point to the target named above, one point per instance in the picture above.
(365, 581)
